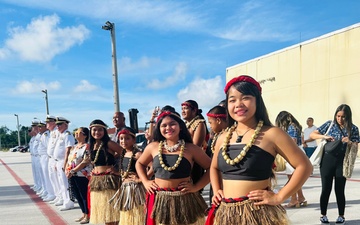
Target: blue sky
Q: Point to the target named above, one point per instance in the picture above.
(167, 51)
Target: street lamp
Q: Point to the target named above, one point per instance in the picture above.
(111, 27)
(17, 122)
(46, 101)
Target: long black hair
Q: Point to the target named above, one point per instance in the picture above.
(284, 119)
(348, 117)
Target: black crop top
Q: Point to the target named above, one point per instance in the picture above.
(256, 165)
(125, 164)
(182, 171)
(101, 161)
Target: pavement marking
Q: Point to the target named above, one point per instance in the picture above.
(46, 210)
(318, 176)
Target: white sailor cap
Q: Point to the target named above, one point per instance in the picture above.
(34, 122)
(60, 119)
(41, 123)
(50, 118)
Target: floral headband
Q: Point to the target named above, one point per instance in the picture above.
(125, 131)
(216, 115)
(242, 78)
(166, 113)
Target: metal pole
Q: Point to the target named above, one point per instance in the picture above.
(115, 73)
(111, 26)
(17, 120)
(46, 101)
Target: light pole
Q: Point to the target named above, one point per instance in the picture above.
(17, 122)
(111, 27)
(46, 101)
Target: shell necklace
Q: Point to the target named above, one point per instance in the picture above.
(171, 168)
(212, 146)
(97, 154)
(245, 149)
(174, 147)
(126, 173)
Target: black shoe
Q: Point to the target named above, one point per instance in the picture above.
(324, 219)
(340, 220)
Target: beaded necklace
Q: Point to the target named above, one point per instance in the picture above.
(97, 154)
(177, 163)
(245, 149)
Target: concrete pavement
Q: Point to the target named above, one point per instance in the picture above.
(20, 205)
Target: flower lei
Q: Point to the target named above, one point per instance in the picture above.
(245, 149)
(177, 163)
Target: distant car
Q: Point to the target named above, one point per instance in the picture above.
(140, 138)
(24, 148)
(14, 149)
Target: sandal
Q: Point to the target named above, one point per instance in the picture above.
(85, 220)
(81, 218)
(303, 203)
(292, 205)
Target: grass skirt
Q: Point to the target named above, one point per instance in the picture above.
(104, 181)
(130, 196)
(134, 216)
(102, 188)
(246, 213)
(175, 207)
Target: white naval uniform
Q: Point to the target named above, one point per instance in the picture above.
(54, 134)
(39, 179)
(44, 161)
(65, 140)
(31, 149)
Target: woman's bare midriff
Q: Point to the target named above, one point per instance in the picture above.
(102, 169)
(170, 183)
(239, 188)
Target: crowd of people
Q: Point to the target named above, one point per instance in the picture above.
(116, 182)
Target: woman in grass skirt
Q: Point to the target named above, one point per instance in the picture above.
(173, 198)
(130, 198)
(241, 168)
(105, 181)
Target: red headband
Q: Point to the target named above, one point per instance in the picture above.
(188, 104)
(242, 78)
(165, 113)
(216, 115)
(125, 131)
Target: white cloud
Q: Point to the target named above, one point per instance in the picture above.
(256, 21)
(162, 15)
(171, 80)
(28, 87)
(85, 86)
(206, 92)
(42, 39)
(127, 64)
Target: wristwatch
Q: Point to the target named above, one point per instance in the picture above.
(72, 171)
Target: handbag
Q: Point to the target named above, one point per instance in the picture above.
(316, 157)
(333, 147)
(349, 159)
(280, 163)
